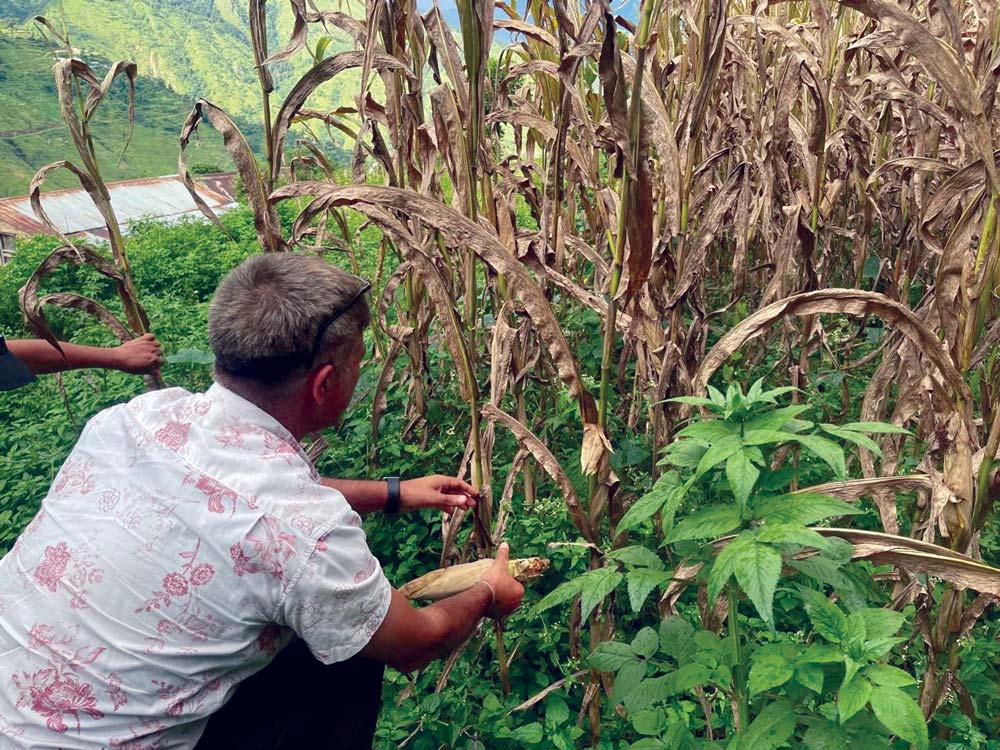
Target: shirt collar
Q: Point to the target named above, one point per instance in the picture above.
(250, 412)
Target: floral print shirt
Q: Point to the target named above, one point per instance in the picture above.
(182, 544)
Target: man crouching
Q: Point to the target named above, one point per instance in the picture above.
(188, 553)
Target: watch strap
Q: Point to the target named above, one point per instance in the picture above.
(392, 503)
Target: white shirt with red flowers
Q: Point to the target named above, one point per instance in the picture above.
(183, 542)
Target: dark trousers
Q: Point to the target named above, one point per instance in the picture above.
(298, 703)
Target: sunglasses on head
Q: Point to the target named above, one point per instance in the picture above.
(331, 319)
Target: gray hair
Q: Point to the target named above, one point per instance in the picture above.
(267, 313)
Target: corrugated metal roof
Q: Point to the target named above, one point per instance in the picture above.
(73, 212)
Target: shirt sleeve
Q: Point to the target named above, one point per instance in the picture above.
(341, 597)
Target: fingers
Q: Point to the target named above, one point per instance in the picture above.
(454, 484)
(457, 501)
(503, 553)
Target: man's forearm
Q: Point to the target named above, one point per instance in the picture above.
(451, 621)
(364, 495)
(42, 358)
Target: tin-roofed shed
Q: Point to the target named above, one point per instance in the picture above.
(162, 199)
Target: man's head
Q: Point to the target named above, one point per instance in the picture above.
(287, 330)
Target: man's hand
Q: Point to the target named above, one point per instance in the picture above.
(141, 356)
(438, 491)
(507, 589)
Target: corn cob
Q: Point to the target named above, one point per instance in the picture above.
(446, 582)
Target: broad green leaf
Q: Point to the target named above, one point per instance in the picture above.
(879, 647)
(827, 618)
(677, 639)
(645, 643)
(684, 454)
(774, 393)
(852, 697)
(638, 555)
(531, 733)
(564, 592)
(718, 399)
(810, 675)
(724, 564)
(649, 692)
(900, 714)
(706, 523)
(690, 676)
(717, 453)
(769, 670)
(610, 656)
(556, 711)
(857, 438)
(854, 638)
(642, 509)
(775, 419)
(881, 623)
(790, 533)
(821, 653)
(640, 582)
(597, 584)
(757, 568)
(826, 735)
(627, 679)
(649, 722)
(804, 508)
(771, 729)
(708, 430)
(873, 427)
(827, 450)
(767, 437)
(889, 676)
(742, 476)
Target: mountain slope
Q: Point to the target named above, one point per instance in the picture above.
(198, 48)
(32, 133)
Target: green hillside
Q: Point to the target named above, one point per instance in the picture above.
(32, 133)
(184, 49)
(199, 48)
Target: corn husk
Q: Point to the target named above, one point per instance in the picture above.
(445, 582)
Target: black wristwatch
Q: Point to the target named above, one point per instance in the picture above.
(392, 504)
